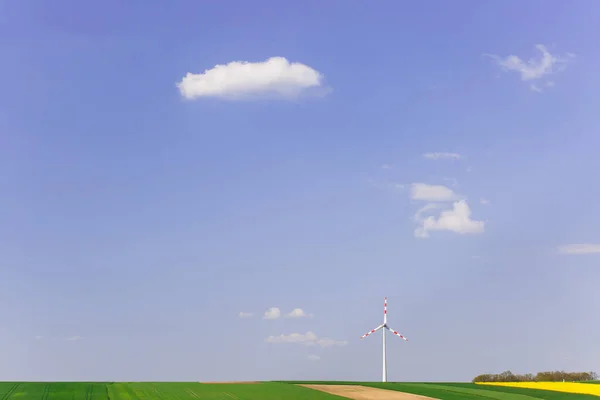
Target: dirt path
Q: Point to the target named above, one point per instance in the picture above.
(357, 392)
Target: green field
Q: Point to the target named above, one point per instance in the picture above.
(156, 391)
(259, 391)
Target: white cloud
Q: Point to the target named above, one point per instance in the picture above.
(535, 88)
(73, 338)
(583, 248)
(442, 156)
(426, 209)
(241, 79)
(423, 191)
(244, 314)
(534, 69)
(272, 313)
(484, 201)
(314, 357)
(298, 313)
(303, 338)
(456, 220)
(326, 342)
(38, 337)
(386, 166)
(307, 339)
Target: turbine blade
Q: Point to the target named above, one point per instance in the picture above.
(396, 333)
(384, 310)
(373, 331)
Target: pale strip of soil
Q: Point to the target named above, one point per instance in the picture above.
(358, 392)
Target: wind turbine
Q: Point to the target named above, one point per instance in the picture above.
(384, 327)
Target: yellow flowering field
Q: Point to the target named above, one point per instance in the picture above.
(567, 387)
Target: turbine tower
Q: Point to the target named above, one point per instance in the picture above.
(384, 327)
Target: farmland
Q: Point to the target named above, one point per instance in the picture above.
(154, 391)
(291, 390)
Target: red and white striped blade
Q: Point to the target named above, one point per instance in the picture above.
(396, 333)
(384, 310)
(372, 331)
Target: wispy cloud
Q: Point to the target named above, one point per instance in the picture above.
(582, 248)
(272, 313)
(327, 342)
(442, 156)
(298, 313)
(307, 339)
(426, 192)
(237, 80)
(427, 208)
(484, 201)
(39, 337)
(73, 338)
(534, 69)
(314, 357)
(243, 314)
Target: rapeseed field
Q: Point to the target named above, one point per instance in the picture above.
(566, 387)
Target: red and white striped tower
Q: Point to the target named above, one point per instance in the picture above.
(384, 327)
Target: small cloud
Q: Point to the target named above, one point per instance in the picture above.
(303, 338)
(457, 220)
(423, 191)
(298, 313)
(314, 357)
(39, 337)
(535, 88)
(327, 342)
(307, 339)
(272, 313)
(386, 166)
(534, 69)
(73, 338)
(484, 201)
(442, 156)
(469, 169)
(243, 314)
(583, 248)
(238, 80)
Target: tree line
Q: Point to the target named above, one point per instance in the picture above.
(547, 376)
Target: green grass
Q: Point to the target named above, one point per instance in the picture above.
(261, 391)
(157, 391)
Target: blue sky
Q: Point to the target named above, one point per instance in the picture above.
(136, 224)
